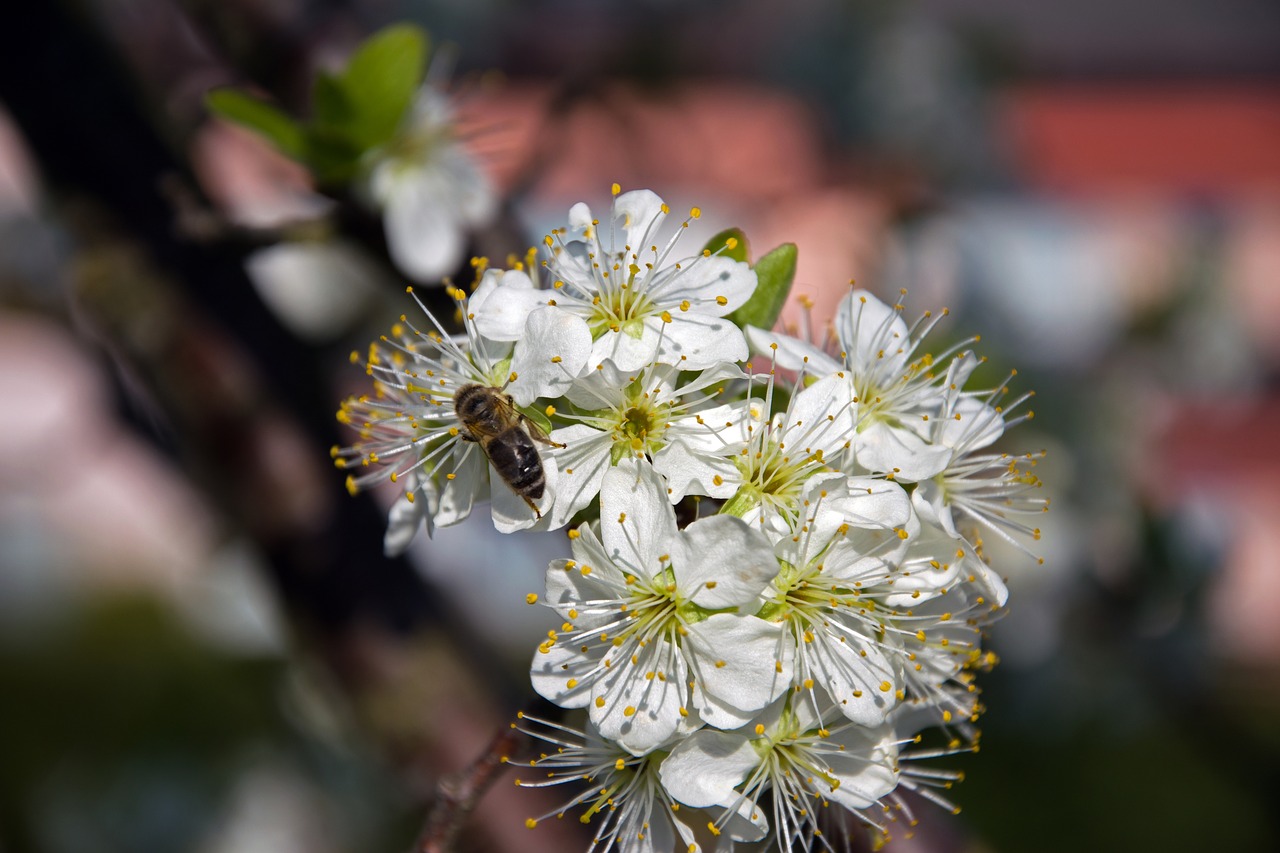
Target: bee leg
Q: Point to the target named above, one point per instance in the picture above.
(532, 506)
(466, 436)
(535, 432)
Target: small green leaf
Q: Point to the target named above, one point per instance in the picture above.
(332, 156)
(332, 107)
(731, 243)
(260, 117)
(775, 272)
(381, 81)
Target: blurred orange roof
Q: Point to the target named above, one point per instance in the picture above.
(1191, 139)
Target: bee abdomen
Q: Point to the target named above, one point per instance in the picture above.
(516, 459)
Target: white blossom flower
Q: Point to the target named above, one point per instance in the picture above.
(994, 491)
(785, 451)
(638, 301)
(430, 189)
(897, 388)
(622, 791)
(946, 647)
(847, 593)
(658, 629)
(410, 433)
(676, 422)
(790, 752)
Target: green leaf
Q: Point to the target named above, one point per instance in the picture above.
(721, 243)
(381, 80)
(774, 272)
(259, 116)
(332, 108)
(332, 156)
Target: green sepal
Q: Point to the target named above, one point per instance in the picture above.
(742, 502)
(719, 244)
(617, 451)
(775, 273)
(259, 116)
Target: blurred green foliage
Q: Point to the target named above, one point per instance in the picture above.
(354, 111)
(123, 732)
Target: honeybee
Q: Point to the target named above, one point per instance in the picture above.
(490, 418)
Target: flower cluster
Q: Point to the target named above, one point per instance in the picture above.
(777, 578)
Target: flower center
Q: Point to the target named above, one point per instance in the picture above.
(639, 424)
(619, 309)
(654, 607)
(774, 477)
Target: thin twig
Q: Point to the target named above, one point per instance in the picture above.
(458, 793)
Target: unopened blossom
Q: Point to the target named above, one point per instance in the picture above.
(678, 422)
(897, 387)
(788, 750)
(409, 432)
(621, 794)
(431, 191)
(639, 299)
(658, 628)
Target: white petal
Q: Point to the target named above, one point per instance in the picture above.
(580, 216)
(569, 587)
(641, 712)
(731, 563)
(403, 523)
(739, 664)
(470, 483)
(703, 770)
(863, 502)
(473, 195)
(872, 334)
(550, 354)
(791, 353)
(424, 235)
(639, 214)
(637, 522)
(927, 501)
(501, 313)
(316, 289)
(703, 282)
(693, 473)
(882, 448)
(864, 767)
(493, 280)
(553, 670)
(626, 351)
(977, 426)
(698, 341)
(580, 465)
(855, 681)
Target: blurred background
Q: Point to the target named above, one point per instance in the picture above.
(202, 647)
